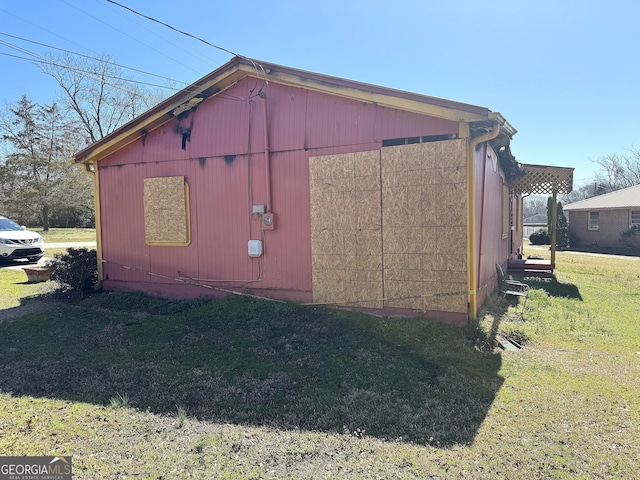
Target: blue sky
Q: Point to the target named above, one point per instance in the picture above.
(564, 73)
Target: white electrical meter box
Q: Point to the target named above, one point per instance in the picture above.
(258, 209)
(255, 248)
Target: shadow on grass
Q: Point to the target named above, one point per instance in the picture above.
(555, 288)
(495, 309)
(257, 363)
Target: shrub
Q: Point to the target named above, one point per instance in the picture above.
(76, 270)
(631, 238)
(540, 237)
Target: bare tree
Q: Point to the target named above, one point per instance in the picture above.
(615, 171)
(98, 92)
(619, 171)
(535, 205)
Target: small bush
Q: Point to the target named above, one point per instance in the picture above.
(631, 238)
(76, 270)
(540, 237)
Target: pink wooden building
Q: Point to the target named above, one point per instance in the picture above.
(294, 185)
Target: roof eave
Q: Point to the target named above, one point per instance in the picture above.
(214, 83)
(388, 97)
(238, 68)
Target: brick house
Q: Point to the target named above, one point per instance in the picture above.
(611, 220)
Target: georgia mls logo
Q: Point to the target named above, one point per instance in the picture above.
(35, 468)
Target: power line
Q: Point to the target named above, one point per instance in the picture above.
(39, 59)
(41, 28)
(256, 65)
(73, 42)
(131, 37)
(86, 72)
(175, 29)
(45, 61)
(85, 56)
(160, 34)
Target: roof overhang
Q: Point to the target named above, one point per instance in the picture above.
(541, 179)
(480, 118)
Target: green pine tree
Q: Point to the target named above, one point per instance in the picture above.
(562, 225)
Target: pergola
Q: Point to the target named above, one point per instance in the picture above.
(544, 180)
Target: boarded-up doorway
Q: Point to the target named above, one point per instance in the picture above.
(388, 227)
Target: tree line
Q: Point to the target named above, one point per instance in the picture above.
(39, 185)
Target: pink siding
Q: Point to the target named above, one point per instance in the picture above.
(301, 123)
(491, 248)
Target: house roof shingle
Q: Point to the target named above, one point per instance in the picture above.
(626, 198)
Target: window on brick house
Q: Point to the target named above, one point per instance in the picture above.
(635, 219)
(593, 220)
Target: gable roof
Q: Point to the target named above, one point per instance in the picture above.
(626, 198)
(481, 119)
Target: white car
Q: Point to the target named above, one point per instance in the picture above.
(16, 242)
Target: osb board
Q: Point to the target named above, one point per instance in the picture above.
(166, 211)
(346, 238)
(424, 220)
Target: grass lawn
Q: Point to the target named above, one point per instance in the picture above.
(135, 387)
(58, 235)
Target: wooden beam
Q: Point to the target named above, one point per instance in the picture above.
(554, 223)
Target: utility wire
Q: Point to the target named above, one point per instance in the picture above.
(131, 37)
(86, 56)
(56, 35)
(86, 72)
(41, 28)
(92, 74)
(182, 45)
(256, 65)
(39, 59)
(176, 29)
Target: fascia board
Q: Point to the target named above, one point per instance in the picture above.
(156, 117)
(392, 101)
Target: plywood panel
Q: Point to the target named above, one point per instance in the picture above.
(408, 215)
(166, 211)
(424, 221)
(346, 237)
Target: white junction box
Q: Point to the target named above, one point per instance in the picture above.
(255, 248)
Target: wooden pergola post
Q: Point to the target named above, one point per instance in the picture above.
(545, 180)
(554, 222)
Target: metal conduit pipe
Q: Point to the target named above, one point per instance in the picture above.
(267, 155)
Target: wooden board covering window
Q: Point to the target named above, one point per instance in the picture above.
(391, 225)
(166, 211)
(424, 226)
